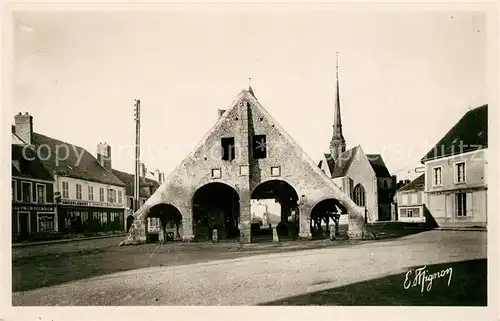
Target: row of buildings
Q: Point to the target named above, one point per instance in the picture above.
(452, 191)
(58, 187)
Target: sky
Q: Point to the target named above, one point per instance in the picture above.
(405, 77)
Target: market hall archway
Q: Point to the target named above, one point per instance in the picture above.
(323, 215)
(216, 206)
(285, 215)
(163, 218)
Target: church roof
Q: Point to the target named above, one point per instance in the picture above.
(330, 162)
(418, 184)
(378, 165)
(344, 161)
(469, 133)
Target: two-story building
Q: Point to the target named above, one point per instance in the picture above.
(411, 201)
(89, 197)
(456, 173)
(33, 207)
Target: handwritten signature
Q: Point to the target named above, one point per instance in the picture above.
(421, 276)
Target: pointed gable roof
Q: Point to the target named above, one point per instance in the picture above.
(470, 133)
(418, 184)
(246, 94)
(344, 162)
(378, 165)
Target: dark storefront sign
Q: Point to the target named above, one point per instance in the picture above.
(33, 207)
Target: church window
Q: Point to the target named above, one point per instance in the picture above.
(259, 146)
(227, 148)
(359, 195)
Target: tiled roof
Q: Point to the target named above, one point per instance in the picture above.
(61, 158)
(418, 184)
(342, 164)
(378, 165)
(28, 165)
(469, 133)
(330, 162)
(128, 179)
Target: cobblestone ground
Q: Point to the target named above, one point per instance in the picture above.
(366, 273)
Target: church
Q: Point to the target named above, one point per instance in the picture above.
(364, 177)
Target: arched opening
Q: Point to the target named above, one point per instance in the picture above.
(274, 204)
(130, 220)
(325, 214)
(216, 206)
(358, 195)
(165, 219)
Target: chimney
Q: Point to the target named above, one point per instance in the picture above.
(143, 170)
(220, 112)
(24, 127)
(104, 155)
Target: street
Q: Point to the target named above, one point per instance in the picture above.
(297, 273)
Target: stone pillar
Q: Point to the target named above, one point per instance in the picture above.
(245, 218)
(355, 227)
(187, 226)
(305, 222)
(242, 140)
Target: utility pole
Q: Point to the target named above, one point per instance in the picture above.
(137, 152)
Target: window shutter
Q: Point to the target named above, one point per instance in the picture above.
(469, 205)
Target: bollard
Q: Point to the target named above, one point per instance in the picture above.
(332, 233)
(215, 236)
(275, 235)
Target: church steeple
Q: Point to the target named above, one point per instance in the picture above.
(337, 144)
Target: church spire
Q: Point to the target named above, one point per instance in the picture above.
(337, 144)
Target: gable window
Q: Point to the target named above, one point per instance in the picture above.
(359, 195)
(437, 176)
(91, 193)
(460, 172)
(40, 193)
(259, 146)
(65, 188)
(227, 148)
(26, 192)
(461, 204)
(78, 191)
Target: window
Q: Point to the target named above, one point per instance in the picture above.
(91, 193)
(275, 170)
(65, 187)
(120, 197)
(40, 193)
(45, 222)
(259, 146)
(437, 176)
(359, 195)
(101, 194)
(14, 190)
(26, 192)
(130, 202)
(111, 195)
(78, 191)
(385, 183)
(216, 173)
(227, 148)
(461, 204)
(460, 172)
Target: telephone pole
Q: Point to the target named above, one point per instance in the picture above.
(137, 152)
